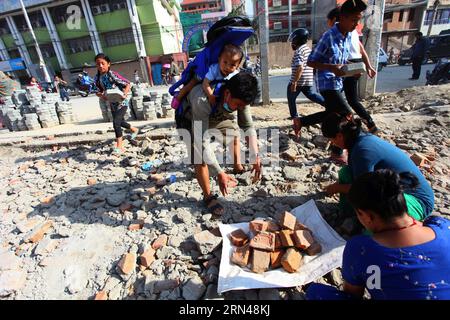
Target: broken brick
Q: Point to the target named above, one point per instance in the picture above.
(241, 255)
(314, 249)
(91, 181)
(238, 238)
(260, 261)
(128, 263)
(275, 258)
(286, 238)
(147, 258)
(288, 220)
(161, 241)
(258, 225)
(101, 295)
(47, 200)
(272, 226)
(302, 239)
(278, 243)
(263, 241)
(38, 232)
(125, 207)
(300, 226)
(419, 159)
(151, 191)
(135, 226)
(291, 260)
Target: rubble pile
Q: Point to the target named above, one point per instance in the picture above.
(272, 245)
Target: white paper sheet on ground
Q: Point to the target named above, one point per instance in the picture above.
(233, 277)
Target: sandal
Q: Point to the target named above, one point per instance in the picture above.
(134, 134)
(213, 209)
(117, 151)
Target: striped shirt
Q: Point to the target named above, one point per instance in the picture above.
(300, 58)
(332, 48)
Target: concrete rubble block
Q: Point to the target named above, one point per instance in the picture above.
(38, 232)
(419, 159)
(207, 242)
(45, 246)
(193, 289)
(302, 239)
(290, 154)
(91, 181)
(27, 225)
(286, 238)
(275, 258)
(260, 261)
(241, 255)
(163, 285)
(11, 281)
(258, 225)
(238, 238)
(101, 295)
(288, 220)
(291, 260)
(314, 248)
(127, 263)
(160, 242)
(125, 206)
(9, 261)
(147, 258)
(263, 241)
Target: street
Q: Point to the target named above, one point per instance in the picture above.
(390, 79)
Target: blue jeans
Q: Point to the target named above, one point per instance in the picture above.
(308, 92)
(64, 95)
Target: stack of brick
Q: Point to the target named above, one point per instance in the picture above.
(149, 110)
(137, 104)
(14, 120)
(156, 98)
(65, 112)
(106, 110)
(271, 245)
(166, 108)
(32, 121)
(47, 114)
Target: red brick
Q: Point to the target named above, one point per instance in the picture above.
(260, 261)
(288, 220)
(278, 243)
(51, 137)
(258, 225)
(300, 226)
(128, 263)
(125, 207)
(91, 181)
(275, 258)
(238, 238)
(263, 241)
(135, 226)
(314, 249)
(241, 255)
(161, 241)
(157, 177)
(101, 295)
(24, 167)
(286, 238)
(47, 200)
(147, 258)
(302, 239)
(419, 159)
(272, 226)
(39, 164)
(292, 260)
(38, 232)
(151, 191)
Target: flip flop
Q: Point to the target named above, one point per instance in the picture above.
(117, 151)
(134, 135)
(213, 209)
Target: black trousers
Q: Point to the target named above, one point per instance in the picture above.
(118, 113)
(334, 103)
(351, 93)
(416, 66)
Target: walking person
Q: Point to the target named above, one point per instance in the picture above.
(107, 79)
(419, 50)
(60, 86)
(302, 77)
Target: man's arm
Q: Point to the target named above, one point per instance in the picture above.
(335, 68)
(370, 70)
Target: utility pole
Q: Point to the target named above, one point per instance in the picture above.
(290, 15)
(374, 23)
(263, 16)
(435, 9)
(33, 36)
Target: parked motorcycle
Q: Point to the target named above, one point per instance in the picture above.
(440, 73)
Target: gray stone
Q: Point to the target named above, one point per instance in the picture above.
(115, 199)
(207, 242)
(193, 289)
(11, 281)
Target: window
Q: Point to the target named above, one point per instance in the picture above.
(79, 45)
(117, 38)
(4, 29)
(400, 17)
(276, 3)
(428, 17)
(442, 16)
(277, 26)
(411, 14)
(388, 17)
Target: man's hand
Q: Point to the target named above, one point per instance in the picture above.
(257, 170)
(336, 69)
(293, 86)
(371, 72)
(212, 99)
(226, 181)
(332, 189)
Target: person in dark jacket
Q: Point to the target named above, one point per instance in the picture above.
(419, 49)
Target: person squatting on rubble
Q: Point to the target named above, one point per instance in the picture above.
(368, 153)
(230, 58)
(328, 57)
(302, 77)
(403, 259)
(357, 54)
(235, 96)
(108, 79)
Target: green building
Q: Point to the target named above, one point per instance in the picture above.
(135, 34)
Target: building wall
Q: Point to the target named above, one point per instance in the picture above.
(437, 26)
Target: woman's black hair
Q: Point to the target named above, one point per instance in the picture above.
(336, 123)
(243, 86)
(334, 14)
(353, 6)
(381, 192)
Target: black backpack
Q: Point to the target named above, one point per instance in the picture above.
(221, 26)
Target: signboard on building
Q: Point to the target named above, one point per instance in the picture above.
(12, 65)
(12, 5)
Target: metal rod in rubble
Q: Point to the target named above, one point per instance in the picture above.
(263, 15)
(33, 36)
